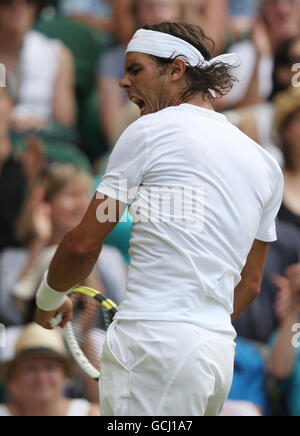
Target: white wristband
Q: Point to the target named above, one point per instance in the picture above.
(47, 299)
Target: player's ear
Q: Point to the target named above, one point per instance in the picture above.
(177, 69)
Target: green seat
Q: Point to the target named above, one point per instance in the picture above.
(94, 142)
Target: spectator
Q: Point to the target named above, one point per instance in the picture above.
(14, 173)
(209, 14)
(40, 70)
(12, 177)
(37, 375)
(54, 207)
(277, 21)
(287, 124)
(129, 15)
(248, 395)
(242, 14)
(257, 121)
(212, 16)
(96, 14)
(285, 356)
(286, 56)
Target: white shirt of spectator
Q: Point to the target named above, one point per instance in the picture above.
(244, 73)
(78, 407)
(187, 270)
(39, 64)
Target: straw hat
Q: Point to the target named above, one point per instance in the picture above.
(35, 341)
(286, 104)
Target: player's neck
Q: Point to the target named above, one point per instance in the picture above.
(199, 101)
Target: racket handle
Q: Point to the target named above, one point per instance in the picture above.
(56, 321)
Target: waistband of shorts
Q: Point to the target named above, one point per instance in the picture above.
(208, 314)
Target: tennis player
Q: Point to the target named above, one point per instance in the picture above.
(197, 263)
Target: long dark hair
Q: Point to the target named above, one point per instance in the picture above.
(215, 77)
(285, 146)
(282, 58)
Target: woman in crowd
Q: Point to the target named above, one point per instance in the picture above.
(15, 173)
(276, 22)
(284, 362)
(37, 375)
(287, 123)
(257, 120)
(40, 70)
(55, 205)
(97, 14)
(211, 15)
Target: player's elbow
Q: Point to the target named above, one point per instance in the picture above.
(82, 246)
(254, 290)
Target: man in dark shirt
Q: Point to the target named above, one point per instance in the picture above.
(12, 177)
(12, 190)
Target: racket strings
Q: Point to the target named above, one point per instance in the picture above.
(90, 323)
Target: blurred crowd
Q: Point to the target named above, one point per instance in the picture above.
(61, 113)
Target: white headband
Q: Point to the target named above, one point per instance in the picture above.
(168, 46)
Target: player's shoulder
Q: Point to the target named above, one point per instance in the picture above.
(171, 115)
(256, 151)
(270, 161)
(271, 171)
(153, 121)
(133, 128)
(135, 135)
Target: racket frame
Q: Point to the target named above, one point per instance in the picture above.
(68, 332)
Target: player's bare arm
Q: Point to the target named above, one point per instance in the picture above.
(249, 287)
(77, 254)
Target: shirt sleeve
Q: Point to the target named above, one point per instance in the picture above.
(126, 165)
(267, 229)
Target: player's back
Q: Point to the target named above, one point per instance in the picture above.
(203, 199)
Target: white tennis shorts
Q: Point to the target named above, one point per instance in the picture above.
(153, 368)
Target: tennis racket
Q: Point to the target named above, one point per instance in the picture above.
(86, 333)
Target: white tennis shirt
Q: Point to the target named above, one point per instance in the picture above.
(200, 192)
